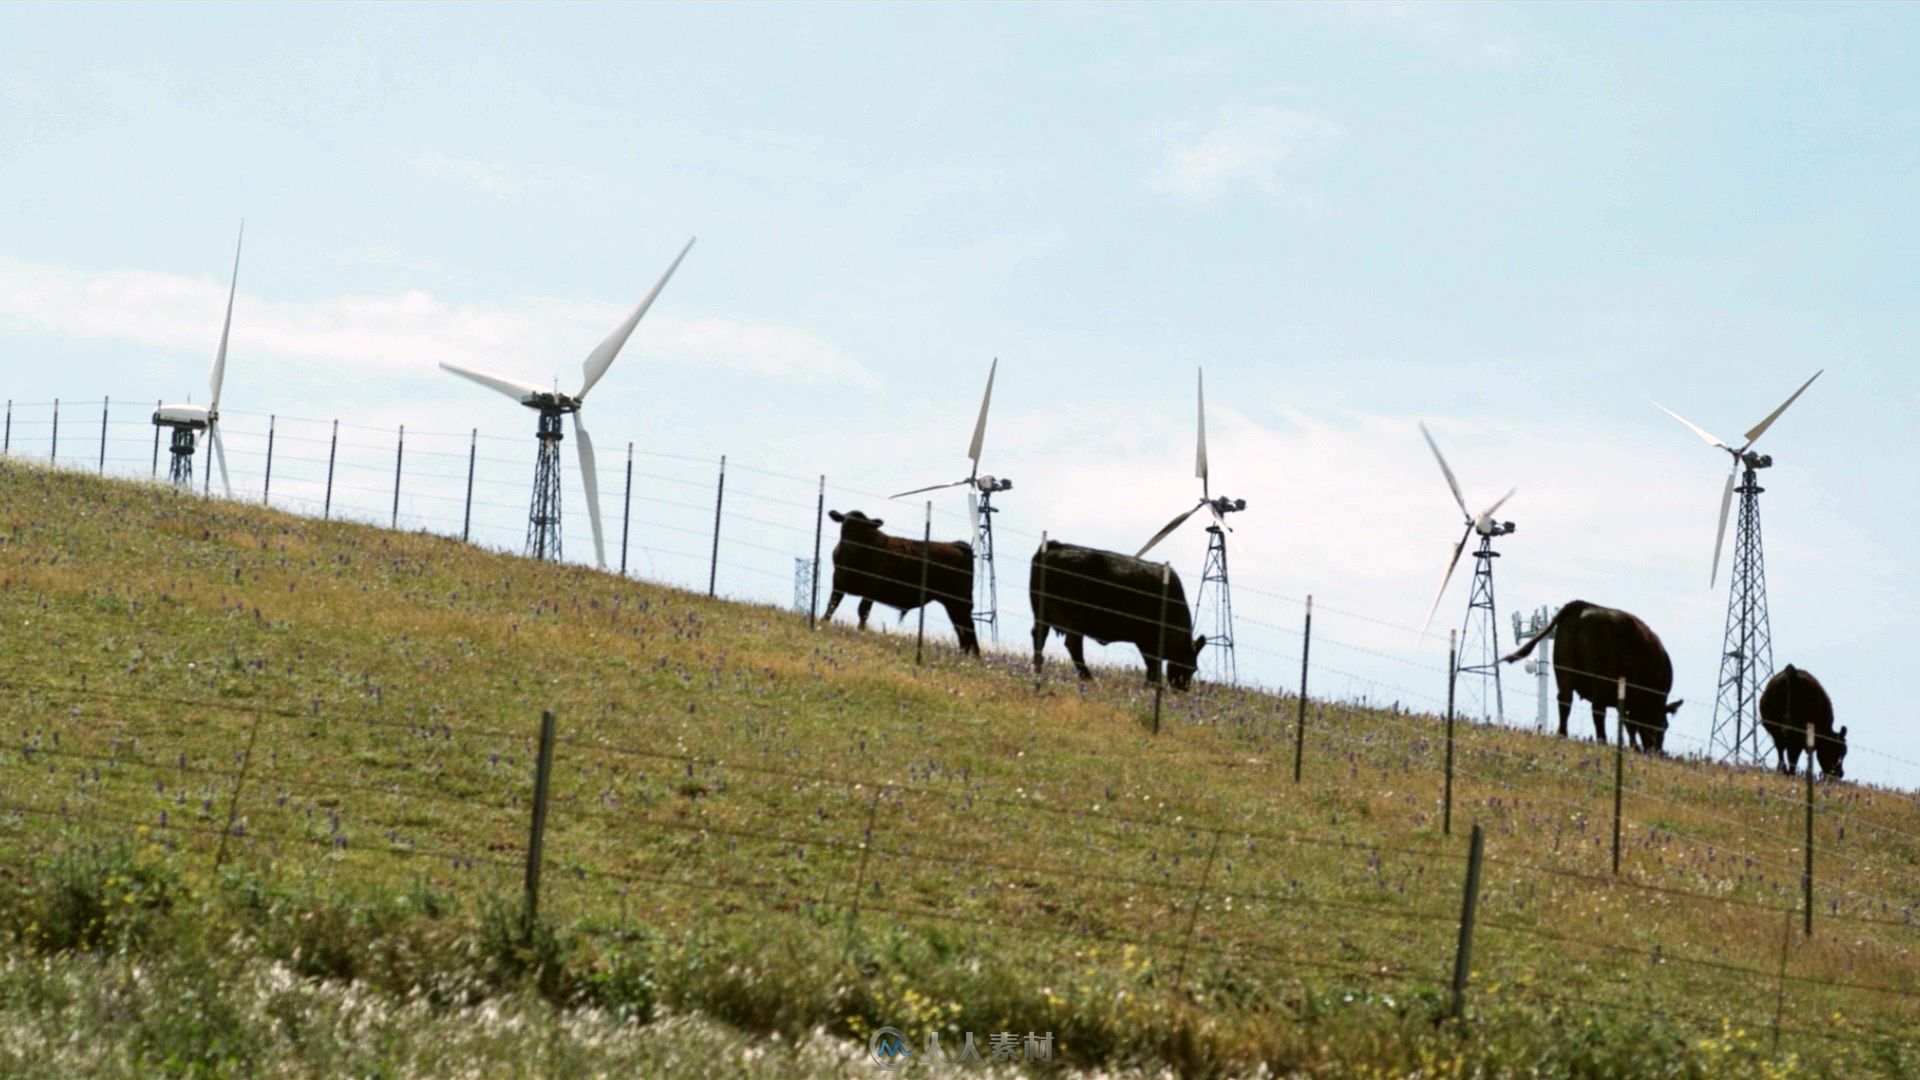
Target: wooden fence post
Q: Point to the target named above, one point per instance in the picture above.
(1469, 904)
(1453, 671)
(1619, 765)
(926, 544)
(819, 523)
(537, 837)
(1300, 721)
(719, 499)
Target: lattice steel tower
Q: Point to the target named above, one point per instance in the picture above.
(1746, 658)
(986, 589)
(1479, 663)
(543, 518)
(1214, 589)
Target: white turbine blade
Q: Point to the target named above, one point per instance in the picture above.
(980, 425)
(1719, 538)
(1200, 440)
(935, 487)
(219, 374)
(1452, 484)
(1442, 591)
(590, 481)
(219, 455)
(1708, 437)
(1218, 518)
(1760, 428)
(1170, 526)
(973, 513)
(602, 358)
(1498, 503)
(513, 388)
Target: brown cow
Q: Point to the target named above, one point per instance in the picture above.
(876, 567)
(1593, 648)
(1792, 700)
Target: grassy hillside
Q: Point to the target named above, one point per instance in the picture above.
(765, 842)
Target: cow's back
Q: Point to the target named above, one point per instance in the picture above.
(1793, 698)
(1602, 644)
(1105, 595)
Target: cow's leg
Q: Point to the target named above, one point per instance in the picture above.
(833, 601)
(1780, 759)
(960, 614)
(1566, 707)
(1074, 649)
(866, 609)
(1600, 720)
(1040, 632)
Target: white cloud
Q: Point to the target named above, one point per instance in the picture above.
(411, 328)
(1251, 147)
(502, 180)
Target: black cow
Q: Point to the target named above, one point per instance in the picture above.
(1593, 647)
(876, 567)
(1104, 595)
(1792, 700)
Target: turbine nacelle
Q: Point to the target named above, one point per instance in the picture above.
(191, 417)
(1224, 505)
(1486, 526)
(987, 485)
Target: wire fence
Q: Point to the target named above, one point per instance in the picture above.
(667, 837)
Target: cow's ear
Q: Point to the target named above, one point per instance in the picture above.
(836, 515)
(1199, 643)
(877, 522)
(1843, 731)
(1675, 707)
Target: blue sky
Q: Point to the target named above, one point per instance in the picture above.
(1511, 222)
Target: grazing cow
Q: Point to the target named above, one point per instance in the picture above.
(876, 567)
(1104, 595)
(1792, 700)
(1593, 648)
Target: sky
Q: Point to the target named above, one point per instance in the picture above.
(1515, 224)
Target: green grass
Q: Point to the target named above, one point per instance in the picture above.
(766, 841)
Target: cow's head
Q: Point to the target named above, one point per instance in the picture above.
(1831, 750)
(855, 525)
(1182, 662)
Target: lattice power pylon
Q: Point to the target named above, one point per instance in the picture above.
(1216, 598)
(986, 588)
(543, 517)
(1746, 659)
(1479, 662)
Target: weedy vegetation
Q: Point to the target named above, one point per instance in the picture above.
(264, 800)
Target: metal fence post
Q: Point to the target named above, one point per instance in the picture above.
(626, 512)
(860, 874)
(399, 452)
(719, 499)
(1040, 569)
(1469, 903)
(1300, 721)
(104, 402)
(1160, 656)
(473, 457)
(266, 484)
(1619, 766)
(926, 546)
(6, 441)
(1193, 916)
(1453, 671)
(333, 449)
(537, 837)
(54, 454)
(156, 444)
(1806, 874)
(233, 801)
(819, 523)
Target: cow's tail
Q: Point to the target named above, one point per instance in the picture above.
(1521, 652)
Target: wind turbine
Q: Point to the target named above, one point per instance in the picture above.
(980, 511)
(1480, 632)
(543, 519)
(1214, 571)
(1746, 660)
(185, 421)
